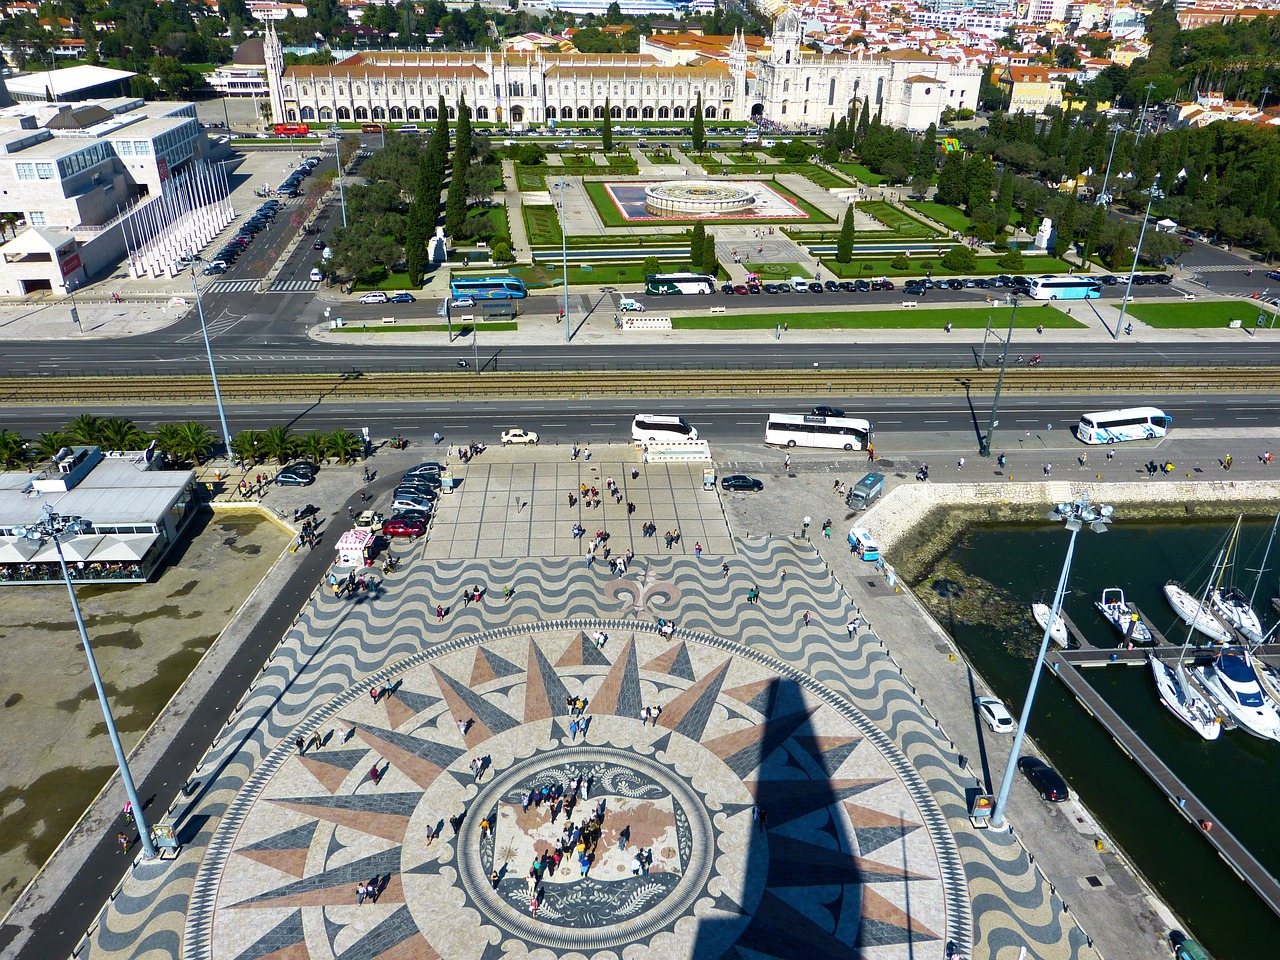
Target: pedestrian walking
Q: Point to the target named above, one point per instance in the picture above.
(960, 464)
(786, 462)
(439, 613)
(724, 568)
(462, 727)
(494, 879)
(871, 452)
(375, 775)
(852, 626)
(485, 828)
(808, 618)
(302, 746)
(316, 741)
(697, 549)
(1048, 468)
(361, 893)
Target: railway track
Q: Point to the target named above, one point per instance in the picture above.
(27, 391)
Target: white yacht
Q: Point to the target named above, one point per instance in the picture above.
(1123, 617)
(1231, 681)
(1232, 608)
(1058, 633)
(1195, 614)
(1183, 700)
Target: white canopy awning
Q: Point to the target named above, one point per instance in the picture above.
(17, 549)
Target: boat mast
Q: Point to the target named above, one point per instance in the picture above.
(1228, 556)
(1265, 554)
(1204, 604)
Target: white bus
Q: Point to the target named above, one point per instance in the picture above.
(651, 428)
(796, 430)
(658, 284)
(1065, 288)
(1131, 423)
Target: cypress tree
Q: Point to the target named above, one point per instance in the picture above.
(420, 222)
(709, 262)
(1094, 233)
(864, 119)
(842, 139)
(697, 241)
(699, 135)
(1004, 199)
(455, 206)
(844, 246)
(926, 161)
(606, 128)
(952, 183)
(980, 179)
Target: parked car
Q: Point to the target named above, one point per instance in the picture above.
(832, 285)
(863, 544)
(303, 466)
(291, 478)
(827, 412)
(888, 284)
(403, 527)
(1048, 783)
(862, 286)
(982, 283)
(847, 286)
(462, 302)
(727, 289)
(215, 266)
(770, 288)
(421, 515)
(784, 287)
(429, 466)
(403, 298)
(740, 481)
(519, 436)
(740, 289)
(373, 296)
(409, 502)
(370, 520)
(1163, 278)
(994, 715)
(865, 492)
(815, 286)
(753, 288)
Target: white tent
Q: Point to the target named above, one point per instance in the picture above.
(1167, 225)
(123, 549)
(18, 550)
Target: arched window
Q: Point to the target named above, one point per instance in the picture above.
(410, 89)
(631, 90)
(288, 90)
(831, 92)
(664, 113)
(453, 113)
(615, 112)
(393, 90)
(326, 114)
(308, 113)
(788, 56)
(632, 113)
(584, 113)
(806, 108)
(362, 113)
(648, 90)
(517, 114)
(678, 113)
(344, 114)
(323, 90)
(710, 113)
(395, 114)
(415, 113)
(551, 113)
(481, 90)
(806, 84)
(784, 106)
(306, 90)
(567, 91)
(482, 113)
(430, 91)
(786, 86)
(665, 89)
(646, 113)
(342, 90)
(598, 113)
(728, 91)
(680, 90)
(291, 115)
(379, 113)
(359, 89)
(430, 113)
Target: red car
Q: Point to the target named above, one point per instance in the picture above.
(740, 289)
(396, 527)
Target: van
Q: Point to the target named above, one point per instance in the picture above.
(865, 492)
(768, 143)
(316, 275)
(630, 306)
(863, 544)
(642, 143)
(750, 139)
(799, 284)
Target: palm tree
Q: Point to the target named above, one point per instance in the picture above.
(278, 442)
(313, 446)
(47, 444)
(12, 448)
(121, 433)
(187, 441)
(84, 429)
(247, 445)
(343, 444)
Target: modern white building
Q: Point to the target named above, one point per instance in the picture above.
(779, 82)
(70, 85)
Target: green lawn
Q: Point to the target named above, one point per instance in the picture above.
(773, 271)
(613, 217)
(867, 267)
(531, 179)
(1213, 313)
(902, 224)
(949, 217)
(860, 173)
(974, 318)
(542, 224)
(822, 176)
(498, 217)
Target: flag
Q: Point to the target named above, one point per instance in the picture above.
(1088, 173)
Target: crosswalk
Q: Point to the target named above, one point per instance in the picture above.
(248, 286)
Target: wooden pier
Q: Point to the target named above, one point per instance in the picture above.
(1232, 851)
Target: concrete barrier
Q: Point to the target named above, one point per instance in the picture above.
(646, 323)
(908, 303)
(673, 451)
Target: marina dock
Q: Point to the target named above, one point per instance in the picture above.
(1232, 851)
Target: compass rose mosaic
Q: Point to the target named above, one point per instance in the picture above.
(520, 795)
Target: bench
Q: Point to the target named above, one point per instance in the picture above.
(717, 309)
(908, 303)
(388, 319)
(1188, 296)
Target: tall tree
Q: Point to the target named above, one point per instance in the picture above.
(952, 185)
(709, 262)
(455, 206)
(1004, 199)
(420, 222)
(1093, 234)
(606, 127)
(844, 246)
(1066, 227)
(697, 240)
(699, 136)
(864, 120)
(980, 178)
(926, 161)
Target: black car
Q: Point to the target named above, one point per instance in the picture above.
(317, 245)
(770, 288)
(832, 285)
(740, 481)
(955, 284)
(1164, 278)
(983, 283)
(421, 480)
(915, 289)
(862, 286)
(827, 412)
(877, 285)
(416, 490)
(422, 516)
(1108, 280)
(753, 288)
(289, 478)
(815, 287)
(429, 466)
(304, 466)
(1141, 280)
(1045, 779)
(784, 287)
(1004, 280)
(727, 289)
(847, 286)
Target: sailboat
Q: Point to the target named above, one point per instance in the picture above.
(1183, 700)
(1058, 632)
(1230, 604)
(1195, 614)
(1231, 681)
(1122, 616)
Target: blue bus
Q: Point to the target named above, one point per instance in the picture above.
(488, 288)
(1065, 288)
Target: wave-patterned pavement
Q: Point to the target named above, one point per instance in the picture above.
(336, 642)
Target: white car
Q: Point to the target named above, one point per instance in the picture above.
(519, 436)
(374, 296)
(462, 302)
(994, 715)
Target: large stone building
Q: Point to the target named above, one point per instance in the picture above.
(779, 82)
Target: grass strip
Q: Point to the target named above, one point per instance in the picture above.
(965, 318)
(459, 329)
(1213, 313)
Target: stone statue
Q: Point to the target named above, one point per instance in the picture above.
(1045, 235)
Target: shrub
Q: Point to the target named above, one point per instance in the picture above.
(1010, 261)
(986, 232)
(501, 252)
(1001, 241)
(901, 262)
(651, 265)
(960, 259)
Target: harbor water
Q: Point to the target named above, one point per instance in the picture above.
(981, 591)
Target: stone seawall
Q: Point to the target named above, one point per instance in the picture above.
(918, 522)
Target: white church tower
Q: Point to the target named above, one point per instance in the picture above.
(738, 75)
(787, 34)
(273, 54)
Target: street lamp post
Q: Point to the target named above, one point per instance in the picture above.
(1263, 102)
(337, 158)
(564, 256)
(1076, 515)
(1137, 252)
(52, 527)
(1143, 119)
(984, 448)
(1103, 199)
(70, 287)
(208, 349)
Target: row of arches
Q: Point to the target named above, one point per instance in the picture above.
(347, 115)
(630, 113)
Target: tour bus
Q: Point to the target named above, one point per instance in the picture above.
(370, 128)
(656, 284)
(1131, 423)
(410, 129)
(651, 428)
(488, 288)
(1064, 288)
(795, 430)
(291, 129)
